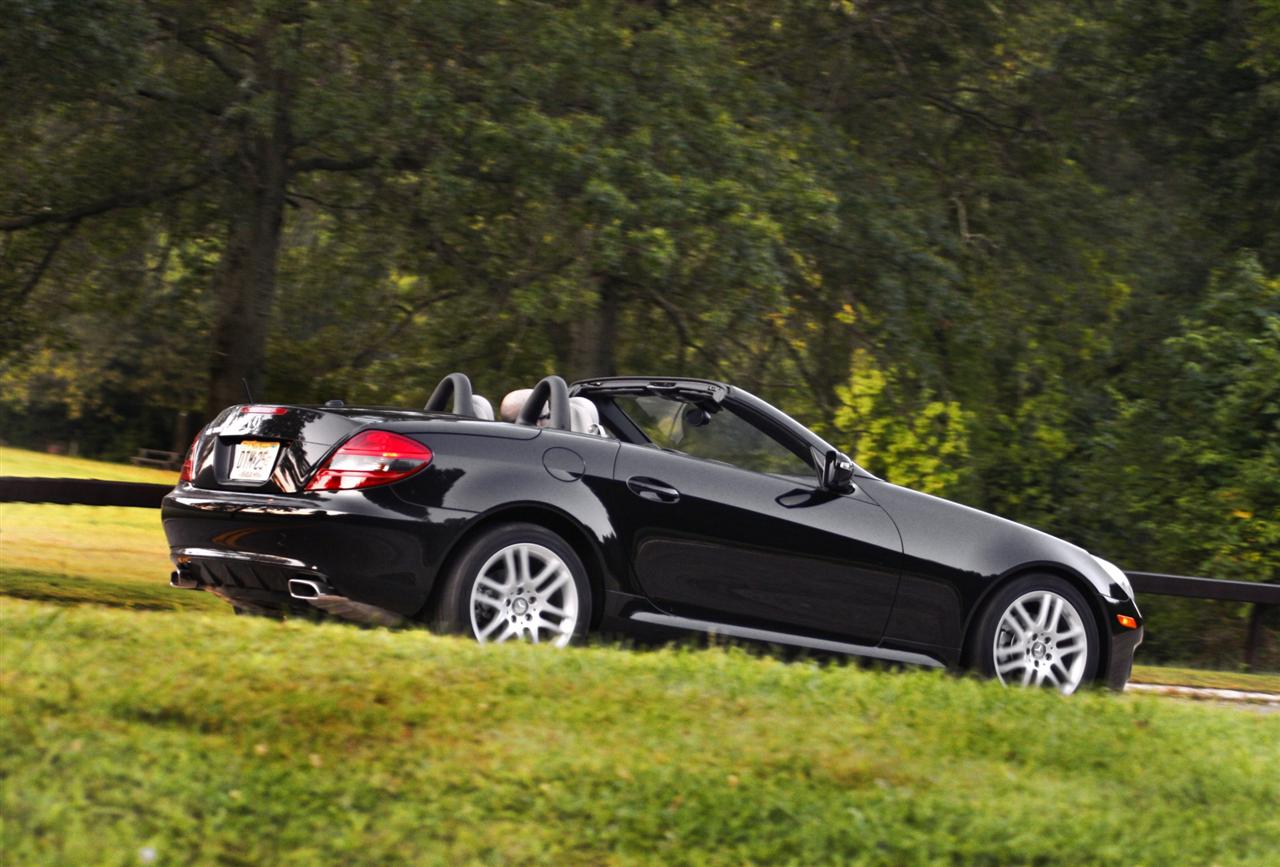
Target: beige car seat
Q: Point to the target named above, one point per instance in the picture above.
(585, 418)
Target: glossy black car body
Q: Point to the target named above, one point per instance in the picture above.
(673, 543)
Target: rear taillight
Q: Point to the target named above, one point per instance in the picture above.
(375, 457)
(188, 464)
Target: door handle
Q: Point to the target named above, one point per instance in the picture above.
(652, 489)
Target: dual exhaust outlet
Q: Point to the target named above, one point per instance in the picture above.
(317, 593)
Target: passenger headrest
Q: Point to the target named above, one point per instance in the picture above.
(482, 408)
(584, 417)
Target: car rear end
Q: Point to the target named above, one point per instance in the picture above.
(294, 509)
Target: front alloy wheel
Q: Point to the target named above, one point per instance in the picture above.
(1041, 641)
(1038, 631)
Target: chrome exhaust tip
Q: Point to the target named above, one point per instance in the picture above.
(182, 581)
(303, 588)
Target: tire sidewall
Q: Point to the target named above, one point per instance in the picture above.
(982, 652)
(454, 610)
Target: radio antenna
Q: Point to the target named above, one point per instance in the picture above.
(248, 392)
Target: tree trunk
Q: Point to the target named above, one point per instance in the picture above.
(592, 337)
(244, 286)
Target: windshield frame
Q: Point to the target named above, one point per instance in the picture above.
(770, 420)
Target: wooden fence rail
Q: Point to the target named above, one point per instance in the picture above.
(82, 492)
(1261, 596)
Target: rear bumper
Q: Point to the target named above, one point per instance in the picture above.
(371, 547)
(257, 583)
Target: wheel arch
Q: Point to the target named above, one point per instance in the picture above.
(542, 515)
(1046, 567)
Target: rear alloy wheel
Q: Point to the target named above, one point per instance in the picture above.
(1040, 632)
(518, 582)
(524, 591)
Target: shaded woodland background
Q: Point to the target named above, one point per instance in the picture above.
(1024, 255)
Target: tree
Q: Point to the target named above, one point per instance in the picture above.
(203, 124)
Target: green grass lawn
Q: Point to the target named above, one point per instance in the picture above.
(95, 554)
(1248, 681)
(245, 741)
(134, 717)
(22, 462)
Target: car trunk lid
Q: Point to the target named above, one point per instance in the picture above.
(267, 448)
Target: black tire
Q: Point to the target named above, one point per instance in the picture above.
(982, 647)
(454, 609)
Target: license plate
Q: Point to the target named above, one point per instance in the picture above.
(254, 461)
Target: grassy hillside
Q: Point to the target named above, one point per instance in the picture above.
(214, 739)
(22, 462)
(105, 555)
(239, 740)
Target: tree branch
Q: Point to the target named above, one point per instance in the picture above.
(161, 96)
(330, 164)
(677, 320)
(34, 280)
(402, 160)
(196, 43)
(133, 199)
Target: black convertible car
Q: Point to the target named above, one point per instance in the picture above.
(649, 507)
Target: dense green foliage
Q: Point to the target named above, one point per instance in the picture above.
(1022, 254)
(211, 739)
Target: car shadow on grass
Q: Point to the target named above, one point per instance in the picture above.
(79, 590)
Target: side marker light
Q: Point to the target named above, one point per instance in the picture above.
(1126, 621)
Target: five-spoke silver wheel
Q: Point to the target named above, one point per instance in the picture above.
(1041, 641)
(524, 591)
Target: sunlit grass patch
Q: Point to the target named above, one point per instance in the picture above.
(94, 542)
(83, 553)
(23, 462)
(1248, 681)
(251, 741)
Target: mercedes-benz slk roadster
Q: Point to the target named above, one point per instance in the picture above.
(646, 507)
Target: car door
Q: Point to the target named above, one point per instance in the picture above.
(716, 541)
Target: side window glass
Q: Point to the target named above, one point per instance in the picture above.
(718, 436)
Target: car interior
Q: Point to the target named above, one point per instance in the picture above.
(661, 421)
(522, 406)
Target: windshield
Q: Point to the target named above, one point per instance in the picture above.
(719, 435)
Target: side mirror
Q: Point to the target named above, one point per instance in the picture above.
(837, 473)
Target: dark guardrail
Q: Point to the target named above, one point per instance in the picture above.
(1261, 596)
(94, 492)
(81, 492)
(1205, 588)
